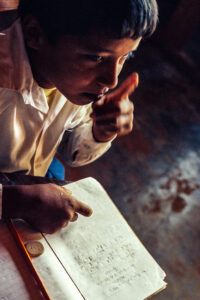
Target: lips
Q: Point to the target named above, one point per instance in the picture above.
(93, 97)
(97, 95)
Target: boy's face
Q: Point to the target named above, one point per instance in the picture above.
(82, 68)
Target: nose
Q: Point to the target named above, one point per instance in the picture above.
(108, 76)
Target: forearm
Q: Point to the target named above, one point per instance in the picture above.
(80, 147)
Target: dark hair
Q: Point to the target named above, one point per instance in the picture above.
(116, 18)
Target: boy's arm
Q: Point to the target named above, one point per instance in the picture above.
(79, 147)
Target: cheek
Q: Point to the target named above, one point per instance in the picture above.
(73, 80)
(81, 79)
(72, 74)
(81, 76)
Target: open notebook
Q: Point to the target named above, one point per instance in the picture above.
(98, 257)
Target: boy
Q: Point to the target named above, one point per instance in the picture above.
(57, 63)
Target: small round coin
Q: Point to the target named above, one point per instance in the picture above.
(34, 248)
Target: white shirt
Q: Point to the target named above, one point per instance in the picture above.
(30, 131)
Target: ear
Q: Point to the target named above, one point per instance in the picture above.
(33, 33)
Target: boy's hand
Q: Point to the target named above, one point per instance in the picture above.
(113, 114)
(47, 207)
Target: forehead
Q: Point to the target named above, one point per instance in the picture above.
(98, 43)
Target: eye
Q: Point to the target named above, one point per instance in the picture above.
(95, 58)
(126, 57)
(131, 55)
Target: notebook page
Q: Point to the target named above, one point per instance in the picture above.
(16, 281)
(102, 254)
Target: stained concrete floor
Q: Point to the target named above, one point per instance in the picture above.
(153, 174)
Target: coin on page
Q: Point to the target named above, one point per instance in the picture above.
(34, 248)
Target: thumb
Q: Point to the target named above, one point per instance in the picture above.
(126, 88)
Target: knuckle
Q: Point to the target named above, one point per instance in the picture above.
(69, 211)
(118, 106)
(130, 127)
(122, 104)
(50, 185)
(122, 120)
(132, 106)
(130, 118)
(64, 223)
(126, 106)
(74, 218)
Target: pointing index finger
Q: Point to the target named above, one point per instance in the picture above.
(77, 205)
(81, 207)
(126, 88)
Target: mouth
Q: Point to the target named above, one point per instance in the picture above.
(93, 97)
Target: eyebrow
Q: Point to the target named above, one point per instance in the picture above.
(102, 50)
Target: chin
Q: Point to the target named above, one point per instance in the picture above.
(79, 100)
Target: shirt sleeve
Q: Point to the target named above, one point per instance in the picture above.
(79, 147)
(1, 187)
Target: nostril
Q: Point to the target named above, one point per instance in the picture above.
(75, 155)
(111, 83)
